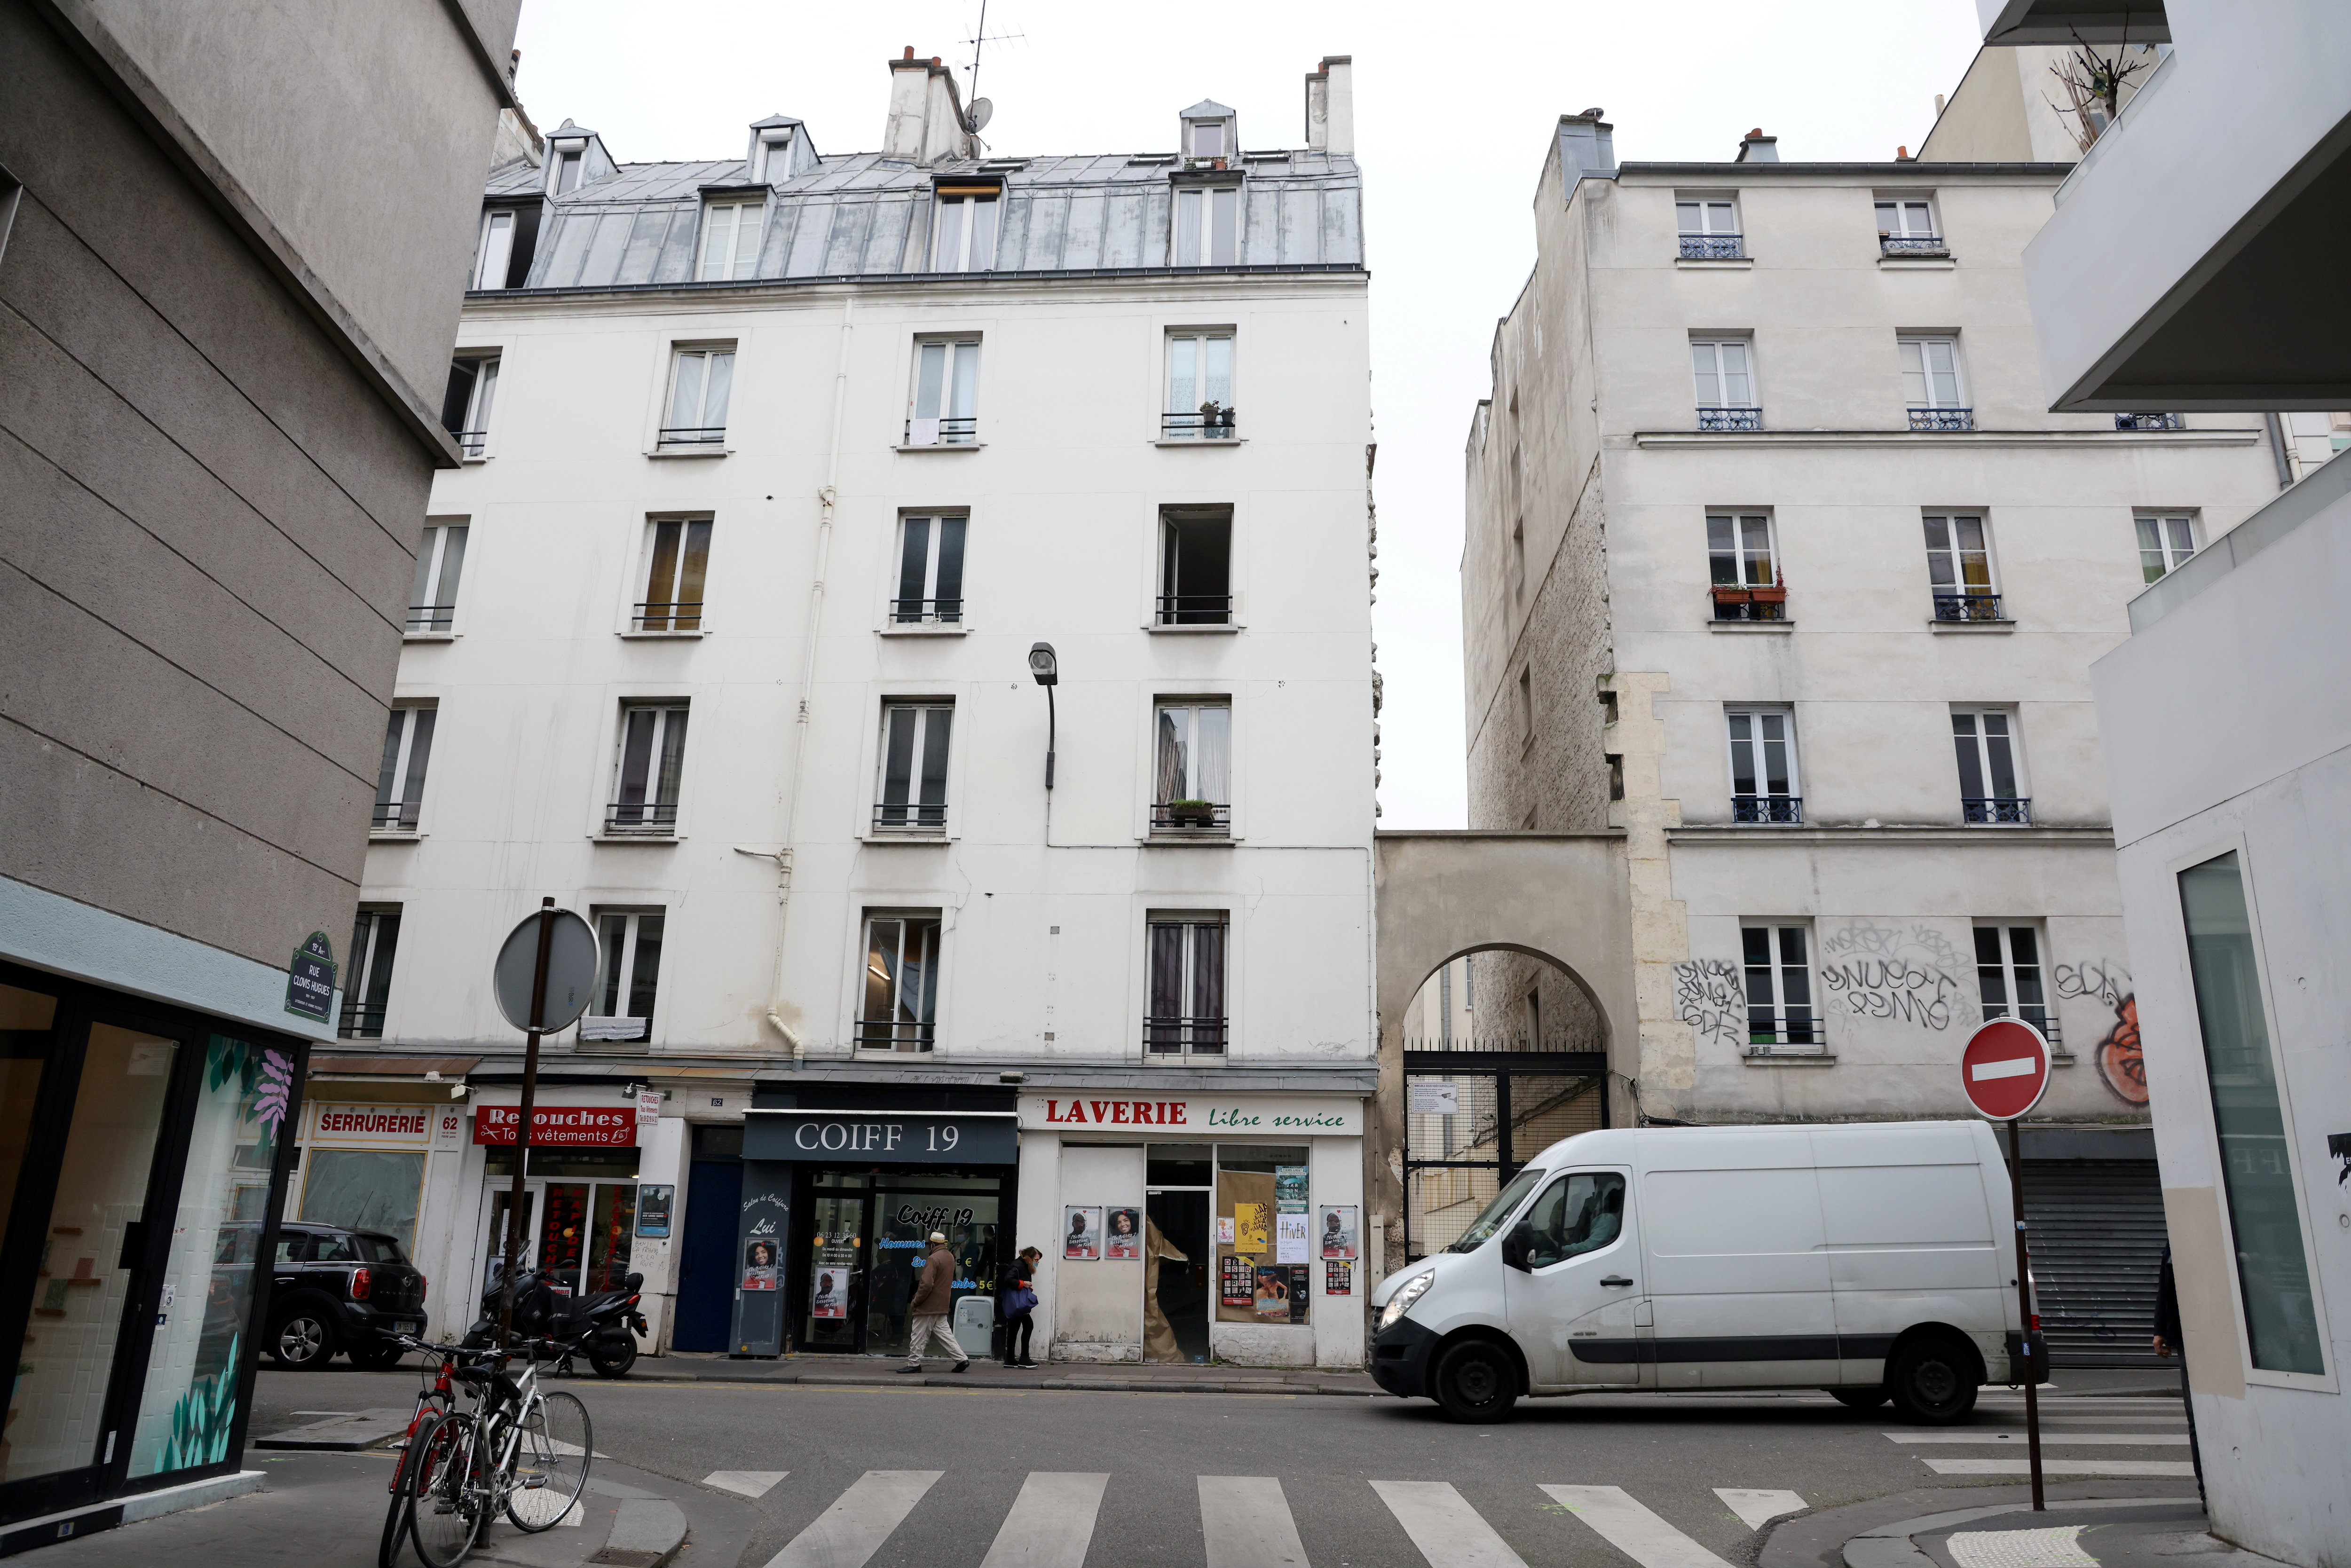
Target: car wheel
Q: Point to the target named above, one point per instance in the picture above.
(1932, 1381)
(1475, 1383)
(303, 1341)
(1859, 1398)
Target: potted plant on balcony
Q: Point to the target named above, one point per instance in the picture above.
(1192, 813)
(1773, 593)
(1732, 593)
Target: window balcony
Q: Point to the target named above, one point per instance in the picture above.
(886, 1034)
(1942, 418)
(1196, 609)
(1216, 426)
(1714, 247)
(911, 817)
(1767, 601)
(693, 435)
(1192, 819)
(395, 817)
(650, 819)
(1966, 607)
(926, 612)
(472, 442)
(1749, 418)
(1170, 1036)
(1998, 811)
(1913, 246)
(360, 1022)
(431, 617)
(1796, 1035)
(666, 615)
(2149, 422)
(1787, 811)
(961, 431)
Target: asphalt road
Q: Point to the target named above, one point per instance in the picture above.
(945, 1477)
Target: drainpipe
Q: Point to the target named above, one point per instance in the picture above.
(2277, 450)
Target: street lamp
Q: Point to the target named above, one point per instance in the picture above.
(1048, 671)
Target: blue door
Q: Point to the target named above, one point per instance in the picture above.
(706, 1274)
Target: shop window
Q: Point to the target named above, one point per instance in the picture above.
(901, 1002)
(365, 1189)
(630, 970)
(1264, 1235)
(367, 972)
(26, 1018)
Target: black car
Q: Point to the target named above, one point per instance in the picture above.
(336, 1289)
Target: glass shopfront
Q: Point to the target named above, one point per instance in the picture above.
(868, 1237)
(579, 1215)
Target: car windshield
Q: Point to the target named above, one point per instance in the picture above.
(379, 1248)
(1482, 1228)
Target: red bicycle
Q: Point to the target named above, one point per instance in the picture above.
(436, 1398)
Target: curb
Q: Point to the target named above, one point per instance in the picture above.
(1820, 1538)
(1890, 1546)
(646, 1533)
(1050, 1385)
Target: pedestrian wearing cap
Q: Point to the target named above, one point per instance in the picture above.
(934, 1303)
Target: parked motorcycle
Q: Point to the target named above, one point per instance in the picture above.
(604, 1327)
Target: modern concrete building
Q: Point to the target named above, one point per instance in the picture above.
(788, 471)
(230, 255)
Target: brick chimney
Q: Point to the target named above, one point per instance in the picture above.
(1757, 147)
(1331, 105)
(926, 123)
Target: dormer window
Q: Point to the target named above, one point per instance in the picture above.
(1207, 225)
(495, 252)
(770, 152)
(1210, 135)
(1208, 140)
(730, 239)
(564, 177)
(966, 229)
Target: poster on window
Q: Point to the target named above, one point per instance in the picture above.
(829, 1295)
(1124, 1237)
(1337, 1233)
(1290, 1185)
(1237, 1285)
(1280, 1293)
(1224, 1230)
(1251, 1221)
(1081, 1233)
(1338, 1277)
(1293, 1236)
(759, 1266)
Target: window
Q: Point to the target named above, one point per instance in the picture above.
(1576, 1214)
(930, 570)
(651, 763)
(1905, 226)
(1187, 985)
(433, 601)
(1725, 385)
(1763, 767)
(1709, 228)
(466, 408)
(2282, 1325)
(1195, 567)
(1615, 775)
(912, 789)
(1206, 139)
(943, 408)
(1931, 384)
(367, 977)
(1192, 784)
(1199, 387)
(900, 1003)
(2008, 971)
(967, 236)
(730, 239)
(677, 562)
(1959, 566)
(626, 978)
(1530, 1034)
(1743, 567)
(2165, 544)
(399, 783)
(700, 384)
(493, 253)
(1207, 225)
(565, 176)
(1985, 741)
(1779, 990)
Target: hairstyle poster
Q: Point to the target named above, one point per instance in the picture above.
(1082, 1229)
(1125, 1236)
(759, 1266)
(1336, 1234)
(829, 1297)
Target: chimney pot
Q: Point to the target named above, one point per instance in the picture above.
(934, 62)
(910, 52)
(1901, 154)
(1757, 131)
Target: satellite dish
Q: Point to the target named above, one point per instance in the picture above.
(980, 111)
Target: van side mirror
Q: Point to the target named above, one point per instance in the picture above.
(1514, 1246)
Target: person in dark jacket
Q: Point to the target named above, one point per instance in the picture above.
(934, 1303)
(1020, 1324)
(2168, 1344)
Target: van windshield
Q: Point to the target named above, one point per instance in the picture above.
(1482, 1228)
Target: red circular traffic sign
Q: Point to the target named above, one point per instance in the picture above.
(2005, 1069)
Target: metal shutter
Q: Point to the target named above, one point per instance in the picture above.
(2095, 1229)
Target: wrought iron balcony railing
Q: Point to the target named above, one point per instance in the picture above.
(887, 1034)
(1913, 245)
(926, 612)
(1797, 1034)
(668, 615)
(1749, 418)
(1998, 810)
(693, 435)
(912, 817)
(1714, 247)
(1196, 609)
(360, 1022)
(431, 617)
(395, 816)
(1966, 607)
(1173, 1036)
(963, 431)
(1191, 817)
(648, 817)
(2149, 422)
(1942, 418)
(472, 442)
(1216, 426)
(1785, 809)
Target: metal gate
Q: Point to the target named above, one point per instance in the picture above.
(2097, 1235)
(1473, 1117)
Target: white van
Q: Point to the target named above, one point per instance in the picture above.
(1874, 1261)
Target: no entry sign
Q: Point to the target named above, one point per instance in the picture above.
(2005, 1069)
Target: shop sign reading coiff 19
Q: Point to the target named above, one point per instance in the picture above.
(558, 1127)
(881, 1137)
(1233, 1115)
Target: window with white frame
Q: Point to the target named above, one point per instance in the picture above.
(910, 791)
(1709, 227)
(494, 249)
(1192, 787)
(466, 407)
(898, 1008)
(965, 237)
(1991, 788)
(700, 383)
(1763, 783)
(367, 976)
(628, 976)
(399, 783)
(677, 564)
(1779, 1010)
(1199, 387)
(650, 769)
(730, 238)
(1742, 567)
(1207, 220)
(2165, 542)
(2009, 973)
(1206, 139)
(564, 176)
(1723, 371)
(1959, 566)
(440, 562)
(1186, 957)
(930, 570)
(1196, 567)
(1932, 386)
(1905, 226)
(942, 405)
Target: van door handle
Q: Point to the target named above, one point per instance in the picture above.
(1615, 1279)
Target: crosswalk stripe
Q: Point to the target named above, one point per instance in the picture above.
(1051, 1522)
(2060, 1467)
(754, 1484)
(1246, 1522)
(1448, 1532)
(860, 1520)
(1757, 1508)
(2112, 1439)
(1631, 1528)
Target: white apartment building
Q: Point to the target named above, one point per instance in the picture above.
(788, 472)
(1775, 562)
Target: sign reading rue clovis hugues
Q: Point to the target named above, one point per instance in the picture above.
(311, 979)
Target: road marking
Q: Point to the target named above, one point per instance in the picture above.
(1246, 1524)
(1757, 1508)
(1633, 1528)
(2052, 1546)
(2117, 1439)
(752, 1484)
(2059, 1467)
(860, 1520)
(1448, 1532)
(1051, 1522)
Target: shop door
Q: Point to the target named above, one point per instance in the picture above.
(1176, 1280)
(840, 1245)
(579, 1234)
(706, 1264)
(908, 1206)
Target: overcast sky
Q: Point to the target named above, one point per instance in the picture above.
(1453, 106)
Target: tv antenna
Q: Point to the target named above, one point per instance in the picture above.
(978, 114)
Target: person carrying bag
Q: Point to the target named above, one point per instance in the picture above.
(1020, 1308)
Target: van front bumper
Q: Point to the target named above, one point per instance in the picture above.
(1400, 1357)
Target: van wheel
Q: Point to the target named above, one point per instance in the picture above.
(1475, 1383)
(1932, 1381)
(1858, 1398)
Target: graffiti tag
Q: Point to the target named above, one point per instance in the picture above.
(2103, 979)
(2120, 1065)
(1894, 988)
(1709, 998)
(1921, 942)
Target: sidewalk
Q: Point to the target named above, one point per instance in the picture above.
(2116, 1524)
(870, 1371)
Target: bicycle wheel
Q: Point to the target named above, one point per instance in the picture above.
(395, 1513)
(446, 1511)
(550, 1463)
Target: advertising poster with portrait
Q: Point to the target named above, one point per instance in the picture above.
(759, 1265)
(1336, 1233)
(1082, 1229)
(1124, 1239)
(1280, 1293)
(829, 1292)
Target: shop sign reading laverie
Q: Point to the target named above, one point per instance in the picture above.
(1227, 1113)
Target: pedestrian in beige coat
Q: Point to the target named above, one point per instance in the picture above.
(933, 1302)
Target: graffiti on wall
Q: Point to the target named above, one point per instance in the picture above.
(2101, 978)
(1904, 974)
(2121, 1068)
(1709, 998)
